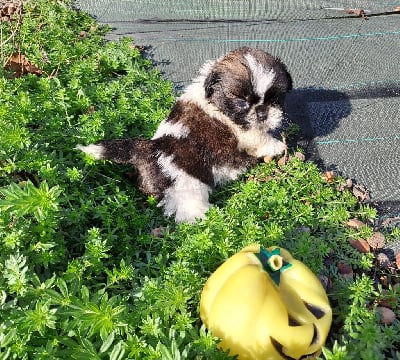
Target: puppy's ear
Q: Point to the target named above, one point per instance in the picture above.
(211, 80)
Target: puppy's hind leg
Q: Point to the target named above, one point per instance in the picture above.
(188, 204)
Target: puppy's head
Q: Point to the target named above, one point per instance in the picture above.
(249, 86)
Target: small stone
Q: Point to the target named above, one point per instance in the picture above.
(361, 245)
(383, 260)
(355, 224)
(345, 270)
(377, 240)
(387, 315)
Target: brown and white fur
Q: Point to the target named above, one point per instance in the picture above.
(216, 130)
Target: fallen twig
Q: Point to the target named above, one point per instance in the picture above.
(359, 12)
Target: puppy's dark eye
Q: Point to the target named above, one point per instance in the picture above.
(253, 99)
(241, 104)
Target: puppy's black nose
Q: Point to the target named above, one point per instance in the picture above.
(262, 112)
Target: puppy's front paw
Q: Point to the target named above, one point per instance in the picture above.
(277, 148)
(273, 148)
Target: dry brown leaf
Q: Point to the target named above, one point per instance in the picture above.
(360, 192)
(358, 12)
(283, 160)
(329, 176)
(347, 184)
(361, 245)
(377, 240)
(355, 224)
(9, 8)
(20, 65)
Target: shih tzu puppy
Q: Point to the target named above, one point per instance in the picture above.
(218, 128)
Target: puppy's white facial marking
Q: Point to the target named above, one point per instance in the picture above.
(187, 197)
(262, 79)
(176, 130)
(97, 151)
(275, 116)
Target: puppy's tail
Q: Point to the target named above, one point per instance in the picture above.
(123, 151)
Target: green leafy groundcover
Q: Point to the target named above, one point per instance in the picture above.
(82, 276)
